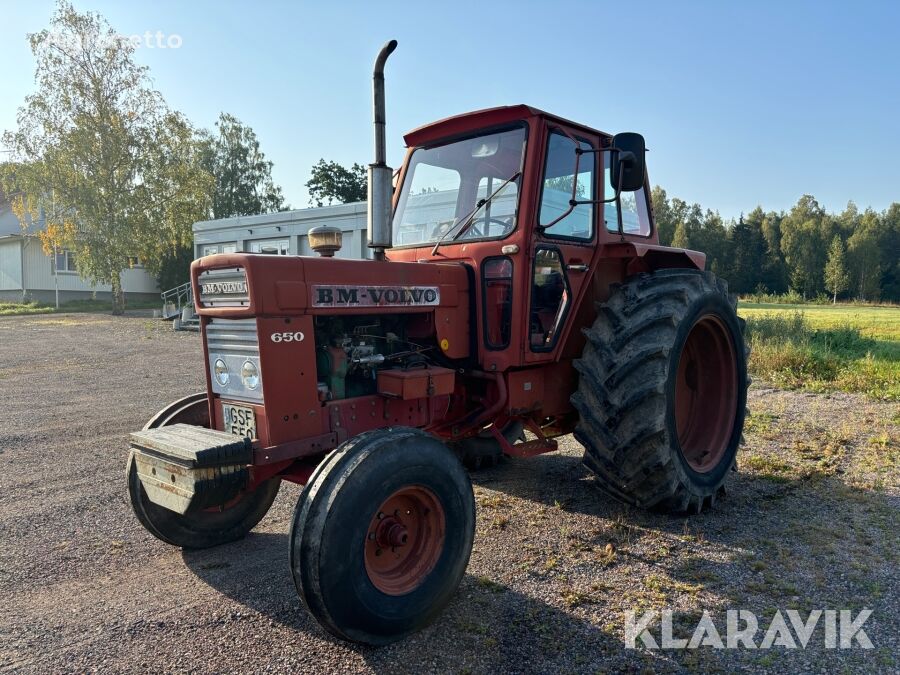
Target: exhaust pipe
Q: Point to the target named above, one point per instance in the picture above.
(380, 190)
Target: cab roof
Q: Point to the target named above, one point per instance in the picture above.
(460, 125)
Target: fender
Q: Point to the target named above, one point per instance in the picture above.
(649, 257)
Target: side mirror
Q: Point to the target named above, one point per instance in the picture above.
(628, 164)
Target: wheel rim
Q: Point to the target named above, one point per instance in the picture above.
(706, 394)
(404, 540)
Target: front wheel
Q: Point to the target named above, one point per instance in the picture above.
(382, 535)
(662, 390)
(198, 528)
(202, 528)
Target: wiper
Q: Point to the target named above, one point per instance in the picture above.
(469, 218)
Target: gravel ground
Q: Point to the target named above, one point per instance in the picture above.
(809, 522)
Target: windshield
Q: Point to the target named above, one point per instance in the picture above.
(444, 185)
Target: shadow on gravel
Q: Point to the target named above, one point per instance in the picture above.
(255, 573)
(554, 480)
(486, 627)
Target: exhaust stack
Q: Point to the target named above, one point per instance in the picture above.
(380, 174)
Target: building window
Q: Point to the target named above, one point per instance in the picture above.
(213, 249)
(271, 246)
(65, 262)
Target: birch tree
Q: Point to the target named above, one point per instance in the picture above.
(100, 159)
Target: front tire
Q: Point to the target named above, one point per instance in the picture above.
(662, 391)
(382, 535)
(199, 528)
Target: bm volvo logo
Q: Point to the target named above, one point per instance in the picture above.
(223, 287)
(375, 296)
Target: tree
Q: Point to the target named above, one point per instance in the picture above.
(243, 175)
(332, 182)
(680, 239)
(865, 248)
(774, 273)
(748, 254)
(836, 278)
(890, 281)
(662, 215)
(100, 158)
(167, 242)
(745, 262)
(803, 245)
(710, 237)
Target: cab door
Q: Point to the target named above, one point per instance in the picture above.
(564, 240)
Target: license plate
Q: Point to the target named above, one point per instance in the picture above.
(239, 420)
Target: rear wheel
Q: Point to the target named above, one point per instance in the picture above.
(662, 390)
(200, 528)
(382, 535)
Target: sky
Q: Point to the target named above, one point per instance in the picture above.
(741, 103)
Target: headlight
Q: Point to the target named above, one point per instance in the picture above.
(250, 375)
(221, 372)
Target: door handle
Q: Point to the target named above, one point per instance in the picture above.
(577, 268)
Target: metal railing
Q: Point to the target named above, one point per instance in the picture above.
(176, 299)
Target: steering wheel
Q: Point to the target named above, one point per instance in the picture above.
(476, 231)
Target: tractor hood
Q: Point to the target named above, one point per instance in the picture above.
(245, 284)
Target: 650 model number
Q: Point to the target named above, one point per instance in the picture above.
(288, 337)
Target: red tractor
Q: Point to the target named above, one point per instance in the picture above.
(518, 285)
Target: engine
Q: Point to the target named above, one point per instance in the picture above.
(350, 350)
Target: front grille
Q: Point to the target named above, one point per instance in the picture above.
(235, 341)
(232, 336)
(224, 287)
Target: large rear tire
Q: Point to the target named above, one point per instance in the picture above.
(200, 528)
(662, 391)
(382, 535)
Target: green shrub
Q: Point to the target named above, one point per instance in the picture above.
(779, 327)
(787, 352)
(789, 298)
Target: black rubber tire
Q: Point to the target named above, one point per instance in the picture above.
(201, 528)
(626, 390)
(330, 526)
(483, 451)
(192, 409)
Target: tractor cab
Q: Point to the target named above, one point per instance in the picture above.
(531, 203)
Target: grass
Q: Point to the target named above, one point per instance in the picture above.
(21, 308)
(880, 322)
(826, 348)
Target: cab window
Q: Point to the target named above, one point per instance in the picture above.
(559, 176)
(635, 214)
(549, 299)
(446, 189)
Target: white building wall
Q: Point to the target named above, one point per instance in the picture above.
(11, 264)
(39, 275)
(22, 258)
(290, 226)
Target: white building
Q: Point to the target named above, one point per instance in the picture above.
(27, 273)
(283, 233)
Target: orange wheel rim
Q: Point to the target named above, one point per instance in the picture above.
(404, 540)
(706, 394)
